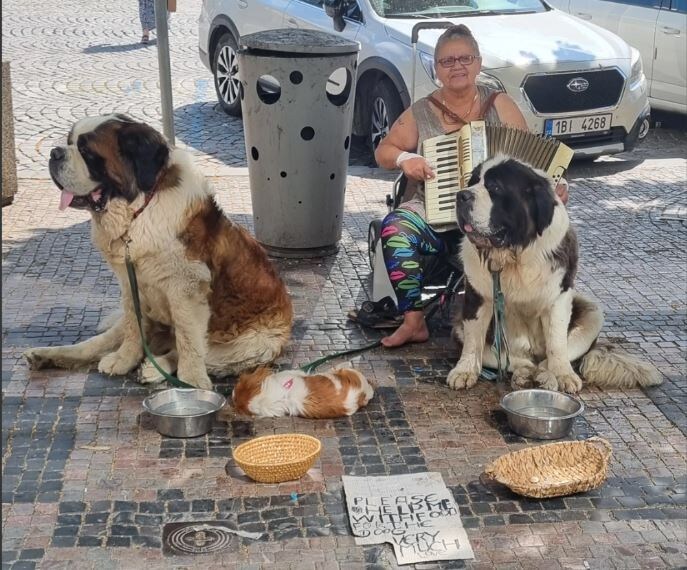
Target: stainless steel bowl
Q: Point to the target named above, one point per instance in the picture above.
(183, 412)
(541, 414)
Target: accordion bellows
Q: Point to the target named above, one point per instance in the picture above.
(455, 155)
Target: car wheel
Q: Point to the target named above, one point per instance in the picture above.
(374, 232)
(225, 69)
(385, 108)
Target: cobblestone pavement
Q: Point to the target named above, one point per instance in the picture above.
(88, 483)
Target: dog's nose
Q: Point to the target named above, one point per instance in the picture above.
(57, 153)
(465, 197)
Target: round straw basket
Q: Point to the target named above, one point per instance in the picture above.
(277, 458)
(555, 469)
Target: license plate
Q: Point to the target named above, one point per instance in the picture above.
(577, 125)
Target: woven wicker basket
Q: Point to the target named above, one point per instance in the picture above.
(278, 458)
(554, 469)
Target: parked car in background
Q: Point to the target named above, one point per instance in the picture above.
(571, 79)
(658, 29)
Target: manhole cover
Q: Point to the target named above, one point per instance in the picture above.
(197, 537)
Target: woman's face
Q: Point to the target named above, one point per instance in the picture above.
(459, 75)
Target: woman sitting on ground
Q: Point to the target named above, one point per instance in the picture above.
(459, 101)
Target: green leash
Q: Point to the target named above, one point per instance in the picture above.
(133, 283)
(310, 367)
(500, 346)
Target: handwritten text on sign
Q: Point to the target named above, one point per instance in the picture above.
(416, 513)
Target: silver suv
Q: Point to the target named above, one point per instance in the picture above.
(571, 79)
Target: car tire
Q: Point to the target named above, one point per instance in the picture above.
(225, 71)
(385, 107)
(374, 234)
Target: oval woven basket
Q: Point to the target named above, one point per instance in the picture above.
(278, 458)
(554, 469)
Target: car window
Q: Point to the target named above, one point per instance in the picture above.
(446, 8)
(643, 3)
(351, 9)
(679, 6)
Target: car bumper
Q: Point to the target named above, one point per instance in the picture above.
(204, 58)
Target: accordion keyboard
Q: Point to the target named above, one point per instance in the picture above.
(454, 156)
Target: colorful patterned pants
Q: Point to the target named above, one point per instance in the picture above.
(406, 237)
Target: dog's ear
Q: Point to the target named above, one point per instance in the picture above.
(146, 150)
(476, 175)
(544, 202)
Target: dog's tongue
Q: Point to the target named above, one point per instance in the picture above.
(65, 199)
(468, 228)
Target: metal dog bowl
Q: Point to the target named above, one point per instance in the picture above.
(541, 414)
(183, 412)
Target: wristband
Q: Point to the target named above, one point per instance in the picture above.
(405, 156)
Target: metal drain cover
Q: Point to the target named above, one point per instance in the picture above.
(202, 537)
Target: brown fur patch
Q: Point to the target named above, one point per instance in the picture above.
(324, 401)
(246, 291)
(103, 142)
(248, 386)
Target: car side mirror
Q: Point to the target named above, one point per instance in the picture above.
(335, 10)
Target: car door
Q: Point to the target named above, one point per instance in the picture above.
(259, 15)
(310, 14)
(632, 20)
(670, 65)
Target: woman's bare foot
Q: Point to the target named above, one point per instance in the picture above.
(413, 329)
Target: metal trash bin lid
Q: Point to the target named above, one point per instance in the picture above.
(293, 40)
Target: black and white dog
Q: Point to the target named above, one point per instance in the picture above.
(514, 223)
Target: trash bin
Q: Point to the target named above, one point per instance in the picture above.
(297, 95)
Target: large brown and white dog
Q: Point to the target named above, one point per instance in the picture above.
(514, 223)
(212, 303)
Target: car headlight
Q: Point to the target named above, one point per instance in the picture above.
(637, 71)
(428, 64)
(490, 81)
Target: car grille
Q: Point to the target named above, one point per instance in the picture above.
(550, 94)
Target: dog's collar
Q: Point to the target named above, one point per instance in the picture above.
(149, 197)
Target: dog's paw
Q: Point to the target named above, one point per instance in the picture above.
(148, 374)
(570, 383)
(523, 376)
(114, 365)
(462, 377)
(37, 358)
(546, 380)
(199, 379)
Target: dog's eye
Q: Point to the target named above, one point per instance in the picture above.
(494, 187)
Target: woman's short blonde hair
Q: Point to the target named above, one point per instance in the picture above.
(459, 32)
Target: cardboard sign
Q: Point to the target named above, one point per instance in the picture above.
(416, 513)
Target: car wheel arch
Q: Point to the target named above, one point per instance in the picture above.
(370, 72)
(220, 26)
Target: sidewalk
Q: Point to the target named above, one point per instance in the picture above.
(88, 483)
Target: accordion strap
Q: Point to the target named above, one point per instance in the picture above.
(444, 109)
(488, 104)
(457, 118)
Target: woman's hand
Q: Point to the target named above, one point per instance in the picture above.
(416, 168)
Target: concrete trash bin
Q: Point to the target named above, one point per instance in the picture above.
(297, 95)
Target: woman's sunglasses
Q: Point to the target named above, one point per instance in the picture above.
(462, 59)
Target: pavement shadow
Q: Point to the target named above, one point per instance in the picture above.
(107, 48)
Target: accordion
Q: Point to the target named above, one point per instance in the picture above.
(454, 156)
